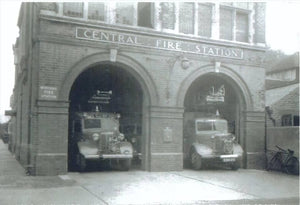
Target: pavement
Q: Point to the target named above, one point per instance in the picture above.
(98, 186)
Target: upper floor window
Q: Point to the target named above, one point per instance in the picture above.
(243, 5)
(74, 9)
(204, 20)
(234, 24)
(146, 14)
(186, 18)
(226, 23)
(125, 13)
(242, 27)
(167, 15)
(96, 11)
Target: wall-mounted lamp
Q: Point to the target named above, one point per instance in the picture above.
(113, 54)
(217, 67)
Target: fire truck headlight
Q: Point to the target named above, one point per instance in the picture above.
(95, 136)
(121, 136)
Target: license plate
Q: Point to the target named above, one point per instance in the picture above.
(229, 160)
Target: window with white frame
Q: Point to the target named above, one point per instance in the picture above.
(96, 11)
(125, 13)
(226, 23)
(242, 26)
(234, 24)
(146, 14)
(186, 17)
(74, 9)
(242, 5)
(204, 20)
(167, 15)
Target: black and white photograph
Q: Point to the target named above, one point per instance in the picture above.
(149, 102)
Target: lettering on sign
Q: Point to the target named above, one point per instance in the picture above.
(101, 97)
(158, 43)
(48, 92)
(216, 96)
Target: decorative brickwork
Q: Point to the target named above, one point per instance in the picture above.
(260, 22)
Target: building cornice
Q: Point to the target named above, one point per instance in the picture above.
(150, 32)
(52, 38)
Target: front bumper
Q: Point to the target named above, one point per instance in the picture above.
(108, 156)
(223, 158)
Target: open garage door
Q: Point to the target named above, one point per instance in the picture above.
(211, 100)
(121, 94)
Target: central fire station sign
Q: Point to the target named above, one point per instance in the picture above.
(158, 43)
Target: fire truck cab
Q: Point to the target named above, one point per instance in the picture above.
(96, 136)
(207, 141)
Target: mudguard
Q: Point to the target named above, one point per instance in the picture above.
(207, 152)
(85, 148)
(126, 148)
(237, 149)
(203, 150)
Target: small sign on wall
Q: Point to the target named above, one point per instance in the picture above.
(168, 134)
(48, 93)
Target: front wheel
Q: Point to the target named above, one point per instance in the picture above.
(81, 162)
(196, 160)
(235, 166)
(125, 164)
(292, 166)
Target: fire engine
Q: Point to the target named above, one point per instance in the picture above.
(96, 136)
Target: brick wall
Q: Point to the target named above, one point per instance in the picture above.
(284, 137)
(58, 53)
(255, 140)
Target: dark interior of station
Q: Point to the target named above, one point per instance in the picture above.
(126, 99)
(229, 109)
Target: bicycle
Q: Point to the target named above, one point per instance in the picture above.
(284, 161)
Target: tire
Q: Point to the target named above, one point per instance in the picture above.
(292, 166)
(196, 160)
(125, 164)
(81, 162)
(235, 166)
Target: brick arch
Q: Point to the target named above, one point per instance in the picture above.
(124, 62)
(225, 72)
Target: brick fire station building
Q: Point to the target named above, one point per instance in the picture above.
(159, 59)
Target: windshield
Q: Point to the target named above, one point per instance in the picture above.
(212, 125)
(92, 123)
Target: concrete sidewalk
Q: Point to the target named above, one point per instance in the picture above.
(139, 187)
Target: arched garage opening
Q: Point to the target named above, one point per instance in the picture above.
(215, 92)
(127, 98)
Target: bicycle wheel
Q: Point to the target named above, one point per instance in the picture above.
(292, 166)
(275, 162)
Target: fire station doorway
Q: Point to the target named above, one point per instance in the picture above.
(126, 98)
(214, 93)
